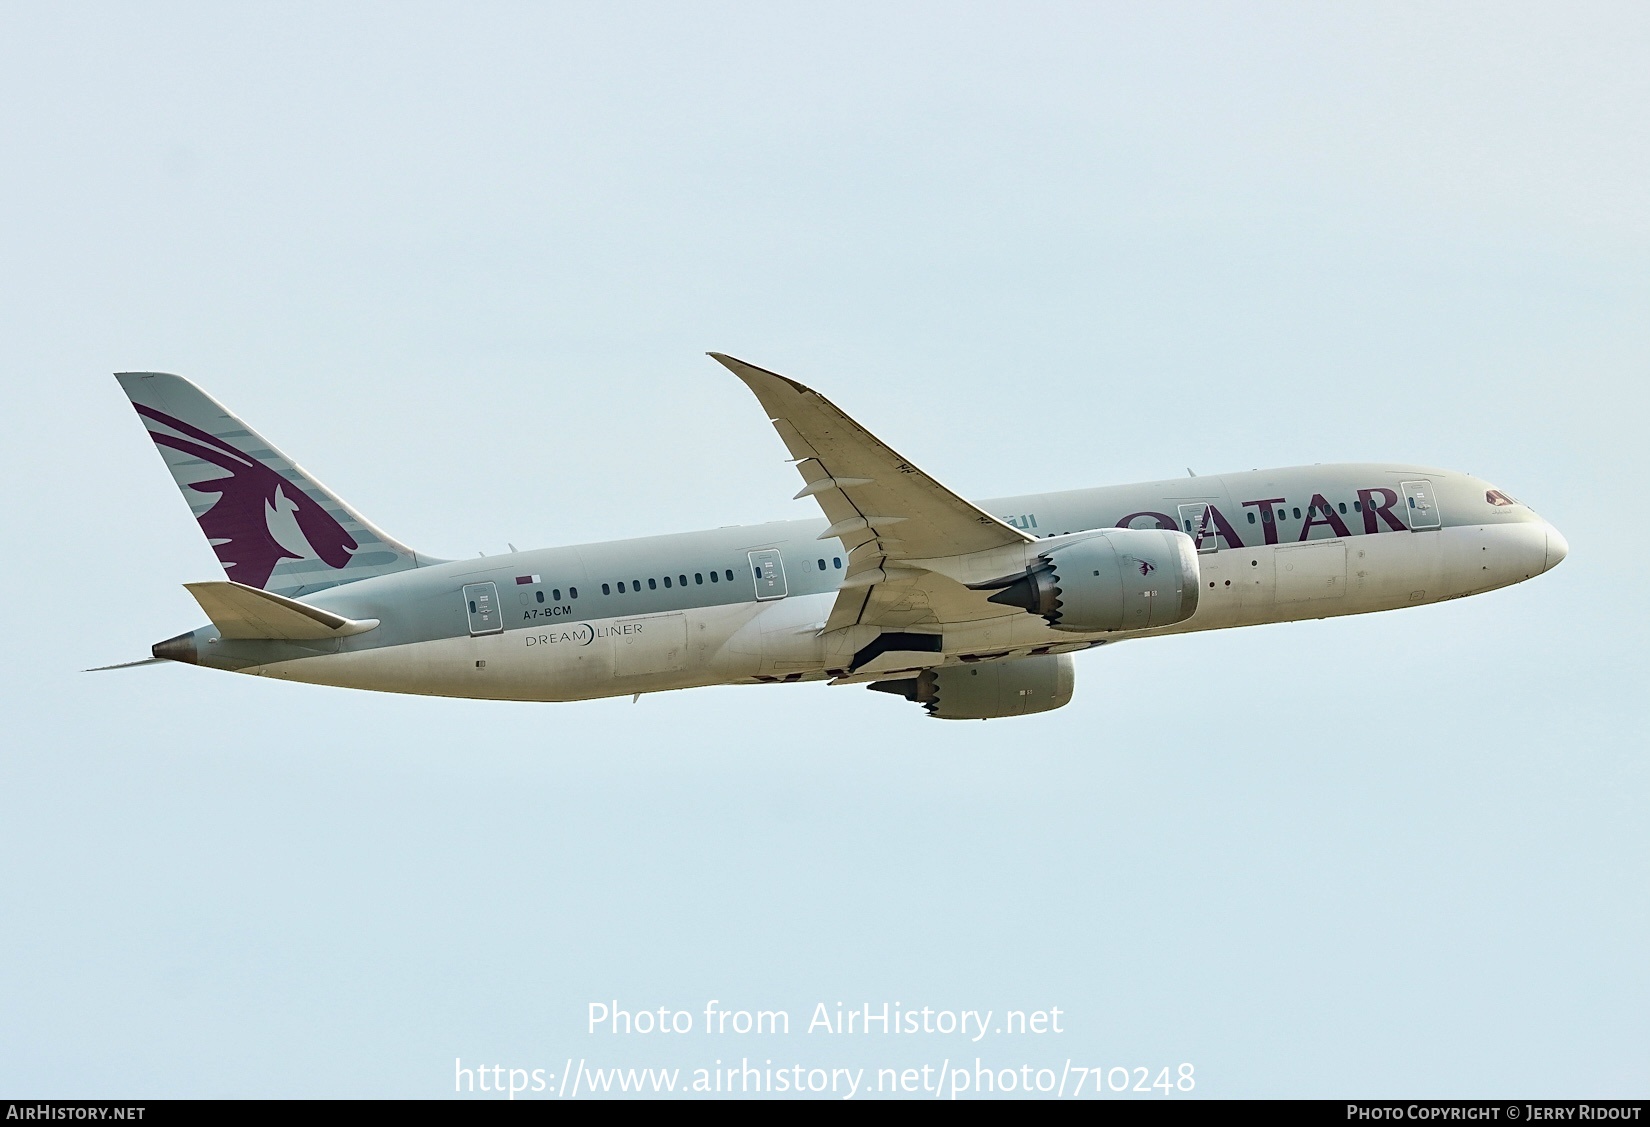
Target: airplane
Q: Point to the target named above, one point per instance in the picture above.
(970, 610)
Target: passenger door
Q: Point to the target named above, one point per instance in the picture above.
(768, 570)
(1421, 505)
(1194, 522)
(481, 604)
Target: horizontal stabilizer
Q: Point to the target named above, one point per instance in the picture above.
(239, 611)
(126, 665)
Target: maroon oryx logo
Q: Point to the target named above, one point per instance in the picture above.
(1146, 566)
(238, 523)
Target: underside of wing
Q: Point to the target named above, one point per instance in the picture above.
(885, 510)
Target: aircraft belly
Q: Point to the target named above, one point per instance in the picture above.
(1226, 580)
(774, 639)
(433, 668)
(1386, 571)
(1345, 575)
(1291, 582)
(570, 661)
(1313, 572)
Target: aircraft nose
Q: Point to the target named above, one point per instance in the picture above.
(1557, 548)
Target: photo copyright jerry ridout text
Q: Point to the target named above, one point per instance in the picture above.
(1495, 1113)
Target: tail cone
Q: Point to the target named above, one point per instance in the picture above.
(181, 648)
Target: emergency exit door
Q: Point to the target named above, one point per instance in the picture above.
(1195, 522)
(768, 570)
(1421, 506)
(481, 604)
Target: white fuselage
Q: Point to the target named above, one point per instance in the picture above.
(586, 654)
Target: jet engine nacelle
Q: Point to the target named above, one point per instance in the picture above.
(988, 689)
(1119, 579)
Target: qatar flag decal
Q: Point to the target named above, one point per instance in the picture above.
(526, 580)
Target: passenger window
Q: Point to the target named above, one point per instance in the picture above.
(556, 594)
(652, 584)
(667, 581)
(539, 595)
(1265, 515)
(1343, 507)
(1251, 518)
(729, 574)
(699, 577)
(1357, 506)
(1297, 512)
(635, 584)
(1282, 514)
(837, 561)
(606, 590)
(621, 586)
(682, 579)
(821, 565)
(572, 593)
(714, 578)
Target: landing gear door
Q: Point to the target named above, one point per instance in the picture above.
(1421, 506)
(768, 570)
(481, 604)
(1195, 522)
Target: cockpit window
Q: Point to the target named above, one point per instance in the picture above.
(1496, 497)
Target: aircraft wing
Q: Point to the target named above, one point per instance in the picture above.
(884, 510)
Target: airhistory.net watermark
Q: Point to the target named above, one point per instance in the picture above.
(946, 1080)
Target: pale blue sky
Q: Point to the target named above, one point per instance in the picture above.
(464, 265)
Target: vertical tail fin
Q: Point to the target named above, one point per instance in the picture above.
(272, 525)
